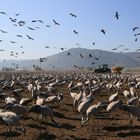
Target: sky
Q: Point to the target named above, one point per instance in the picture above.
(92, 16)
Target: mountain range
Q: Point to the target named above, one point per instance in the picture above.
(78, 57)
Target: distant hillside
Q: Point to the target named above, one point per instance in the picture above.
(82, 58)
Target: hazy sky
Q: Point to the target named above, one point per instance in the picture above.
(92, 16)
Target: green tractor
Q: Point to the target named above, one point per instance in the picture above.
(103, 69)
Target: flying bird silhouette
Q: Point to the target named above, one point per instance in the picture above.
(37, 27)
(75, 66)
(3, 13)
(15, 25)
(42, 59)
(90, 55)
(73, 15)
(34, 21)
(135, 28)
(30, 28)
(12, 41)
(103, 31)
(30, 37)
(21, 23)
(136, 39)
(136, 34)
(75, 32)
(40, 21)
(56, 23)
(62, 48)
(96, 58)
(3, 31)
(19, 35)
(12, 20)
(17, 14)
(47, 47)
(2, 50)
(126, 49)
(93, 63)
(117, 15)
(117, 47)
(48, 26)
(81, 55)
(93, 43)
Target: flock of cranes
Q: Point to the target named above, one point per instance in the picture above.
(22, 23)
(32, 28)
(25, 94)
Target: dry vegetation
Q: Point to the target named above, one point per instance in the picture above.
(112, 127)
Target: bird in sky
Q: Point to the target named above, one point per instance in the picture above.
(117, 47)
(48, 26)
(30, 28)
(62, 48)
(3, 31)
(75, 66)
(121, 45)
(135, 28)
(103, 31)
(47, 47)
(42, 59)
(3, 13)
(21, 23)
(90, 55)
(37, 27)
(19, 35)
(13, 20)
(34, 21)
(81, 55)
(40, 21)
(56, 23)
(2, 50)
(12, 41)
(126, 49)
(77, 44)
(17, 14)
(96, 58)
(136, 39)
(117, 15)
(30, 37)
(15, 25)
(73, 15)
(93, 43)
(137, 34)
(75, 32)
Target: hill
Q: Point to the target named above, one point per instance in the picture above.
(80, 57)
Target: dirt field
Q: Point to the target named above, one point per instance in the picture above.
(114, 126)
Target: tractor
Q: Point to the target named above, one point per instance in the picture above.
(103, 69)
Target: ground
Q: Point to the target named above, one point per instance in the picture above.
(114, 126)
